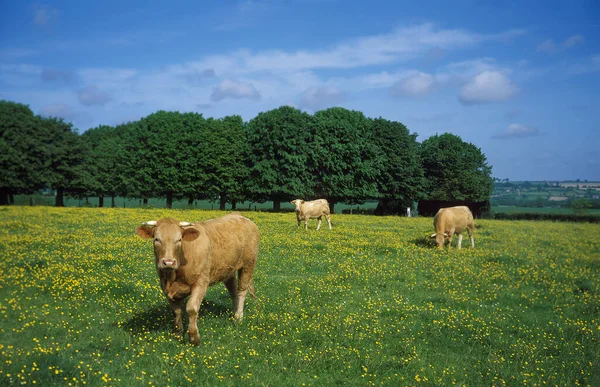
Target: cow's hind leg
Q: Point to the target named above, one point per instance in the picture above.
(231, 285)
(319, 224)
(328, 218)
(243, 284)
(470, 230)
(192, 308)
(460, 236)
(176, 309)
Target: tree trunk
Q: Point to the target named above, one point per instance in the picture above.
(112, 201)
(145, 201)
(233, 204)
(170, 200)
(332, 207)
(60, 201)
(100, 201)
(190, 202)
(3, 196)
(11, 198)
(277, 205)
(222, 202)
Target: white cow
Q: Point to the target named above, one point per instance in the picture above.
(310, 210)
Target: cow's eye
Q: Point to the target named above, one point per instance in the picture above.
(178, 240)
(156, 240)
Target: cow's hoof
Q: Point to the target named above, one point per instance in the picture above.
(195, 340)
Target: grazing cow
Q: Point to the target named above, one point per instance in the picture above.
(450, 221)
(190, 257)
(310, 210)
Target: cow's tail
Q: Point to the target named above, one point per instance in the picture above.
(251, 290)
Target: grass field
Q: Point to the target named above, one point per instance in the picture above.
(369, 303)
(540, 210)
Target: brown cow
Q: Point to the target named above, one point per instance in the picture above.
(450, 221)
(191, 257)
(310, 210)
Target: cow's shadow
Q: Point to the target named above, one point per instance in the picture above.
(425, 242)
(159, 318)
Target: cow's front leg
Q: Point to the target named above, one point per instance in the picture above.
(192, 308)
(460, 236)
(306, 222)
(176, 309)
(319, 224)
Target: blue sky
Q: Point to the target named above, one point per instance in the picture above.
(519, 79)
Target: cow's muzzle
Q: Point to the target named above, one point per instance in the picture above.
(168, 263)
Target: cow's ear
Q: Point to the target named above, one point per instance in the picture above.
(190, 234)
(432, 236)
(145, 232)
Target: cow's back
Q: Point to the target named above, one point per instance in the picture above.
(315, 208)
(457, 218)
(234, 243)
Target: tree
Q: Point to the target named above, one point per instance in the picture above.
(62, 158)
(104, 161)
(401, 176)
(456, 172)
(230, 161)
(347, 162)
(580, 206)
(280, 155)
(156, 164)
(21, 143)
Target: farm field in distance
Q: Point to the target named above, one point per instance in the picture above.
(370, 303)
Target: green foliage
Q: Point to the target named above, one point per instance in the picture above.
(580, 206)
(104, 159)
(455, 170)
(281, 155)
(348, 161)
(401, 177)
(21, 144)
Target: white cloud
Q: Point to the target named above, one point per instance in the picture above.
(317, 98)
(91, 95)
(232, 89)
(573, 41)
(43, 14)
(487, 86)
(415, 85)
(517, 131)
(399, 45)
(52, 75)
(547, 46)
(591, 65)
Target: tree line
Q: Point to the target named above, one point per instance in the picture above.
(277, 156)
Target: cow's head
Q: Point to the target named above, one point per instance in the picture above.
(168, 235)
(297, 203)
(440, 239)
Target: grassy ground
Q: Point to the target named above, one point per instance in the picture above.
(370, 303)
(540, 210)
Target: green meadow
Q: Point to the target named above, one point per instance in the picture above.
(370, 303)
